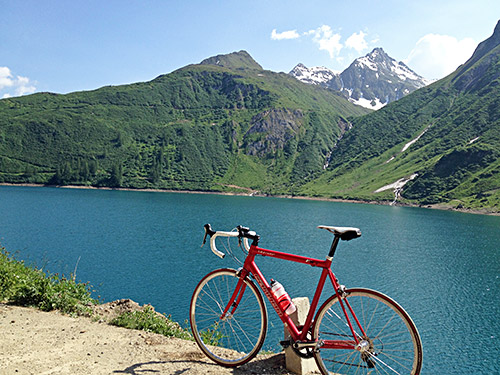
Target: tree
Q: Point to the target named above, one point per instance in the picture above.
(115, 180)
(84, 171)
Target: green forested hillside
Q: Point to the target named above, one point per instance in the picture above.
(223, 122)
(446, 137)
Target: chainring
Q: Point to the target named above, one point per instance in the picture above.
(304, 352)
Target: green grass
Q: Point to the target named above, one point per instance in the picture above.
(212, 335)
(150, 321)
(25, 285)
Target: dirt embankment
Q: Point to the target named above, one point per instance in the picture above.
(41, 343)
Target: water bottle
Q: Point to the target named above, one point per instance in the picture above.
(283, 298)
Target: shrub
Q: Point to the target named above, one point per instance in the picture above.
(151, 321)
(23, 285)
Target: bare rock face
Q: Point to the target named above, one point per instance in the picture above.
(271, 130)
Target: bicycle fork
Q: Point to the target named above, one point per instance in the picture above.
(235, 299)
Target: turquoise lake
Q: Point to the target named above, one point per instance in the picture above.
(442, 267)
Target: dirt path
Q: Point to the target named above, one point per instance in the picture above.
(36, 342)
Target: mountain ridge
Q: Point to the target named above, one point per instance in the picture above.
(474, 68)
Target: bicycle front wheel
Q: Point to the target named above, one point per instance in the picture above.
(236, 338)
(390, 344)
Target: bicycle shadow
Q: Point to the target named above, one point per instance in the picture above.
(137, 368)
(264, 364)
(269, 364)
(147, 367)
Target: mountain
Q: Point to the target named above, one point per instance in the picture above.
(371, 81)
(439, 145)
(226, 124)
(211, 126)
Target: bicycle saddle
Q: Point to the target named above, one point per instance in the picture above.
(345, 233)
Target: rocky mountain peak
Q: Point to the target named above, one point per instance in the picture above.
(492, 42)
(371, 81)
(379, 55)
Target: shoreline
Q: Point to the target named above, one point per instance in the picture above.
(255, 193)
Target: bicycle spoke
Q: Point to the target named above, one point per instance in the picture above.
(385, 326)
(386, 365)
(371, 318)
(212, 296)
(333, 314)
(209, 307)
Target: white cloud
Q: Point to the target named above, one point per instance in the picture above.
(291, 34)
(24, 86)
(327, 40)
(435, 56)
(14, 86)
(357, 42)
(5, 77)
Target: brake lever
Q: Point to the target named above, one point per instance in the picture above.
(208, 231)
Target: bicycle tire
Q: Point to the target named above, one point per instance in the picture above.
(392, 345)
(238, 338)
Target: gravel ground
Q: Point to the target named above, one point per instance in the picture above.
(42, 343)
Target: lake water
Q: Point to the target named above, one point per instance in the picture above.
(442, 267)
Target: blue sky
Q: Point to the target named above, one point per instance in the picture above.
(64, 46)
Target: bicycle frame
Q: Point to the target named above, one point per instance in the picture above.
(297, 334)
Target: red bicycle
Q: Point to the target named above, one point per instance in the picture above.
(355, 331)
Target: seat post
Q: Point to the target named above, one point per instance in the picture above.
(334, 246)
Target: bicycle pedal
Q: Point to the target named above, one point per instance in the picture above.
(285, 344)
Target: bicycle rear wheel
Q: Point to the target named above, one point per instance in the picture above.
(391, 345)
(236, 338)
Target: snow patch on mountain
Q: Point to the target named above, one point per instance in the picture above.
(365, 61)
(371, 104)
(407, 146)
(316, 75)
(473, 140)
(397, 184)
(404, 73)
(397, 187)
